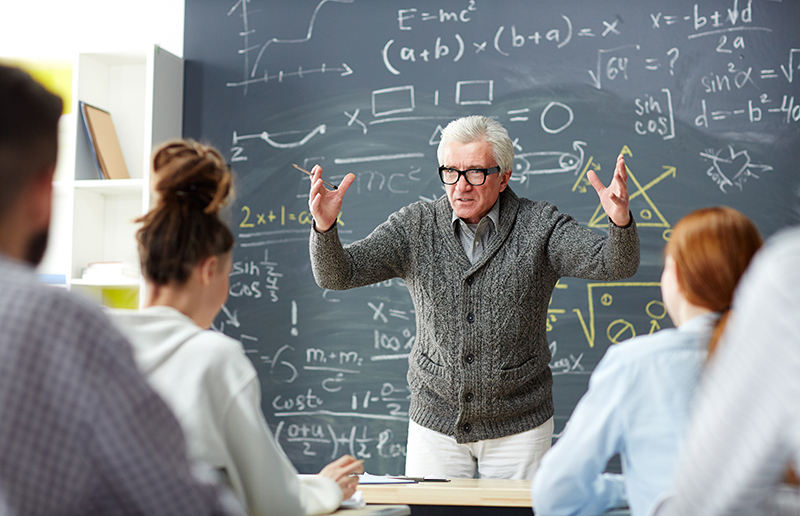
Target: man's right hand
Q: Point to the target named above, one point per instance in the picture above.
(325, 204)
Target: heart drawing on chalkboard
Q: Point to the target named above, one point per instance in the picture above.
(732, 168)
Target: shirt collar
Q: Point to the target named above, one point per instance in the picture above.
(494, 215)
(705, 322)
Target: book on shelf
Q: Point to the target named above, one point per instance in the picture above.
(110, 272)
(56, 280)
(104, 143)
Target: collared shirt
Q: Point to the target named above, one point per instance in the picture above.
(474, 239)
(745, 424)
(637, 405)
(81, 432)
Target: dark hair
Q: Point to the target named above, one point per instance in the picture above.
(192, 183)
(712, 247)
(28, 131)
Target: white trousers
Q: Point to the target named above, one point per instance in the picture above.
(430, 453)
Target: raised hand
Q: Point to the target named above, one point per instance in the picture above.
(614, 198)
(325, 204)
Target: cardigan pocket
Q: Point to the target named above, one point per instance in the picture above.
(427, 375)
(511, 381)
(427, 364)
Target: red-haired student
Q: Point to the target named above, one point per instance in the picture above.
(639, 394)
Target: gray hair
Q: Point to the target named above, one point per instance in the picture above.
(474, 128)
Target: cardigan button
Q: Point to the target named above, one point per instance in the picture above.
(470, 358)
(467, 427)
(470, 280)
(470, 318)
(469, 397)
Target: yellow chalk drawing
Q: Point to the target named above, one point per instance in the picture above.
(621, 327)
(589, 328)
(598, 219)
(656, 303)
(654, 326)
(582, 177)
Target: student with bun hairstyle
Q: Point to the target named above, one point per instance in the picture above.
(205, 377)
(639, 394)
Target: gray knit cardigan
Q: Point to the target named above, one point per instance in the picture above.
(479, 367)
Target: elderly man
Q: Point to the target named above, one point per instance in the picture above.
(80, 430)
(480, 266)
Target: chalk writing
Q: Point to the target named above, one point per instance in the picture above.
(700, 97)
(566, 365)
(618, 329)
(732, 168)
(653, 118)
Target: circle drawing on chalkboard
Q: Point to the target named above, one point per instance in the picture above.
(620, 330)
(570, 118)
(659, 306)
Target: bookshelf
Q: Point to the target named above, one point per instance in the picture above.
(93, 218)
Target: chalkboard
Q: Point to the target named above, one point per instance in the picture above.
(701, 97)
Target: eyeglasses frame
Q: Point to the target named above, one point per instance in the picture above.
(463, 173)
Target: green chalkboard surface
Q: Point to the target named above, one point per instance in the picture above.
(702, 98)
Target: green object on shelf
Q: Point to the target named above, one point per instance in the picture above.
(124, 297)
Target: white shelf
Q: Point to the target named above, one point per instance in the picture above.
(122, 283)
(94, 218)
(111, 187)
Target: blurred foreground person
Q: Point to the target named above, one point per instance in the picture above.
(81, 431)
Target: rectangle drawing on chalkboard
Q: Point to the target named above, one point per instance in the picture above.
(474, 92)
(105, 146)
(390, 101)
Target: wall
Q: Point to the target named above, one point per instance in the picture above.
(55, 29)
(46, 38)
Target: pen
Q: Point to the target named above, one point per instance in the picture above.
(423, 479)
(310, 174)
(360, 461)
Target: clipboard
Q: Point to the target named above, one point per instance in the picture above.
(103, 140)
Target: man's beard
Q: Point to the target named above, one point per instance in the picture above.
(36, 247)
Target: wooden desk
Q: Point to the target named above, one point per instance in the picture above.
(457, 497)
(376, 510)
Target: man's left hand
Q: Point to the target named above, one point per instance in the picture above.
(614, 198)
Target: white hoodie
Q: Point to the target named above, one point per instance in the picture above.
(213, 389)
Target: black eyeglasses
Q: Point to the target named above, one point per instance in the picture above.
(473, 176)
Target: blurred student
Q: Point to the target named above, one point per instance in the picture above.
(81, 431)
(186, 253)
(639, 394)
(745, 424)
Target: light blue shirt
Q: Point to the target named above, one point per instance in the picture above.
(637, 405)
(474, 238)
(745, 423)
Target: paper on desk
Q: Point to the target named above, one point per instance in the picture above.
(354, 502)
(366, 478)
